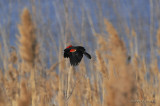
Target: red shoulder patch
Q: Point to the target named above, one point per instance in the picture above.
(72, 50)
(69, 46)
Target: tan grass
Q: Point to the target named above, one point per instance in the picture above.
(27, 39)
(28, 47)
(110, 81)
(121, 88)
(25, 95)
(13, 56)
(158, 40)
(2, 98)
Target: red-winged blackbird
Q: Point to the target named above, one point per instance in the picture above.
(75, 54)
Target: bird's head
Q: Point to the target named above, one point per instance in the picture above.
(69, 46)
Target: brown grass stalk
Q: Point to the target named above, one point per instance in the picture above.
(27, 39)
(31, 77)
(28, 47)
(158, 40)
(120, 90)
(25, 95)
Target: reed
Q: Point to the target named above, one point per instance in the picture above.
(27, 78)
(121, 86)
(28, 47)
(25, 95)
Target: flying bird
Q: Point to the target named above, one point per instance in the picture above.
(75, 54)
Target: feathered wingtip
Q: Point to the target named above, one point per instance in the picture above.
(87, 55)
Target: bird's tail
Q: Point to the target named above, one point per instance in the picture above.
(87, 55)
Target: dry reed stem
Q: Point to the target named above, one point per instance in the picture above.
(70, 74)
(2, 98)
(61, 96)
(11, 83)
(158, 37)
(28, 47)
(25, 96)
(158, 40)
(134, 34)
(0, 47)
(101, 65)
(120, 90)
(13, 57)
(113, 84)
(27, 39)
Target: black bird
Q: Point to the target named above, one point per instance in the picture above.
(75, 54)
